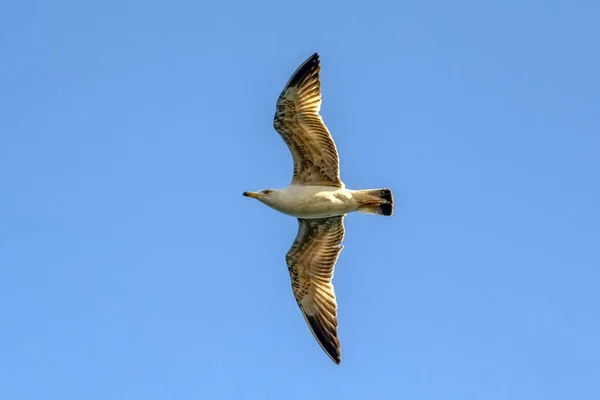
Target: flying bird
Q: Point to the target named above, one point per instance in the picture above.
(319, 199)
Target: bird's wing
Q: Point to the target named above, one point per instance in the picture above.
(297, 120)
(311, 261)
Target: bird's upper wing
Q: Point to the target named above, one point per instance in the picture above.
(311, 261)
(298, 122)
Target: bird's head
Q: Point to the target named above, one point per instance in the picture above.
(264, 196)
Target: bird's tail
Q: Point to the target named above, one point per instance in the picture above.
(375, 201)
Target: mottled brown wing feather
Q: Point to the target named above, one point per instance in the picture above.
(311, 261)
(297, 120)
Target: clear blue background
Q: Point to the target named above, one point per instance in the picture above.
(132, 268)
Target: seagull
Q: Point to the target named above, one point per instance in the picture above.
(319, 199)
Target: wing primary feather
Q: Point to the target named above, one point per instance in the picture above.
(329, 344)
(304, 70)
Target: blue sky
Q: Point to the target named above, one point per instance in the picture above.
(131, 267)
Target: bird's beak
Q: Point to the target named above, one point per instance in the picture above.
(254, 195)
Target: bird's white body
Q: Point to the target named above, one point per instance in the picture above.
(312, 201)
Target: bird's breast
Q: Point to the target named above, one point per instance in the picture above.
(315, 202)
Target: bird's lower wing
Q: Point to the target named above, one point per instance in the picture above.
(311, 262)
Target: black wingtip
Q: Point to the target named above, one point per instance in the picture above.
(329, 344)
(307, 68)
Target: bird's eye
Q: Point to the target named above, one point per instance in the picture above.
(267, 191)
